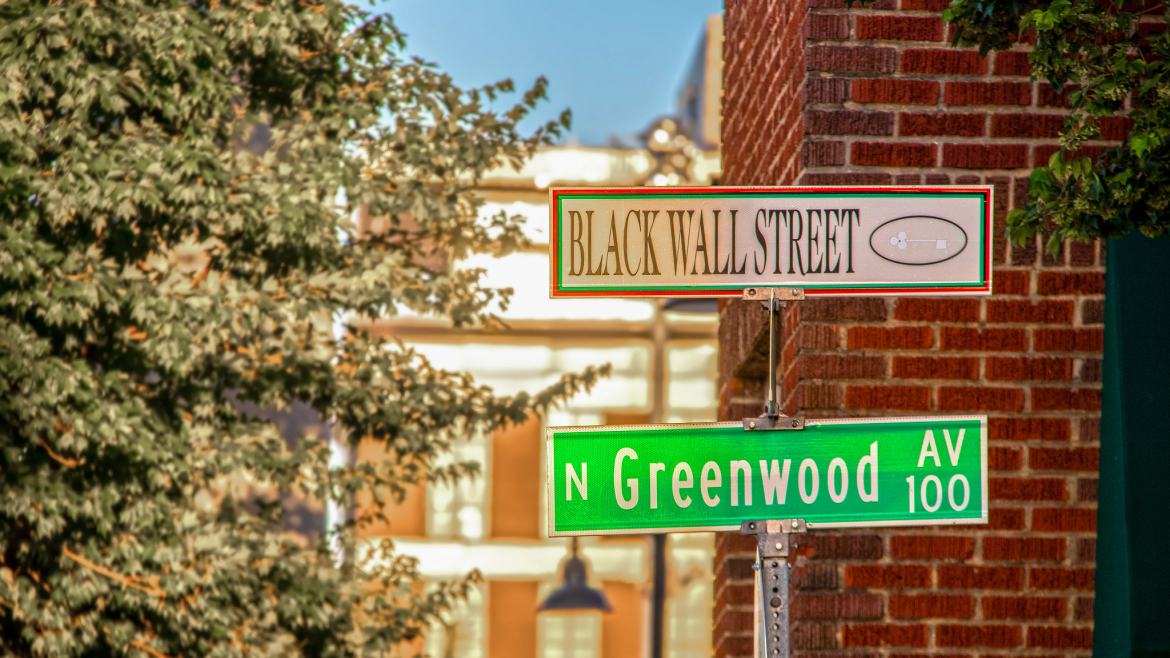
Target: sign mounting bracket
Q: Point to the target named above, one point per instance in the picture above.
(773, 299)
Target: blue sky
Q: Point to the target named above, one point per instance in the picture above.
(617, 64)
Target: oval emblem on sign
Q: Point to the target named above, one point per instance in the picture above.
(918, 240)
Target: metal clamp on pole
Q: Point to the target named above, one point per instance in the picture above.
(772, 547)
(773, 299)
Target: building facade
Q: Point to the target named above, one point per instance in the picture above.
(664, 370)
(818, 93)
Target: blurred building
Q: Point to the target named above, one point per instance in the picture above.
(664, 370)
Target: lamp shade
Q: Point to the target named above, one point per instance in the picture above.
(575, 592)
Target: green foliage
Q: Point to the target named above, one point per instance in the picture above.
(154, 263)
(1113, 63)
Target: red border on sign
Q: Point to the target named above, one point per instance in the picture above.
(984, 289)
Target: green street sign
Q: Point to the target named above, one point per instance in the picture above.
(835, 473)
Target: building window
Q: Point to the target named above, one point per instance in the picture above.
(460, 634)
(456, 510)
(688, 612)
(570, 636)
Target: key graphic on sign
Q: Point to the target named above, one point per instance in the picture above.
(900, 241)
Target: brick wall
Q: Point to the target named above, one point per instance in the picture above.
(885, 100)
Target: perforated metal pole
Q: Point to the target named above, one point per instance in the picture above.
(772, 602)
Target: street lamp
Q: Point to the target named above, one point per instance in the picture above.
(575, 594)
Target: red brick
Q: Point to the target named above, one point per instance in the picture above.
(987, 93)
(1087, 489)
(1064, 519)
(886, 338)
(1060, 399)
(1115, 129)
(851, 605)
(817, 396)
(955, 62)
(1022, 369)
(1092, 370)
(1027, 125)
(819, 337)
(1064, 459)
(1068, 340)
(1023, 607)
(808, 635)
(1004, 459)
(1044, 152)
(1047, 96)
(1023, 548)
(822, 153)
(981, 156)
(833, 366)
(851, 59)
(845, 179)
(1093, 312)
(1053, 579)
(925, 367)
(1090, 430)
(826, 90)
(1083, 610)
(887, 576)
(998, 637)
(1025, 254)
(1012, 62)
(931, 547)
(900, 92)
(961, 125)
(1024, 429)
(812, 576)
(884, 635)
(1059, 637)
(888, 154)
(843, 547)
(1027, 489)
(1083, 254)
(888, 397)
(925, 5)
(979, 398)
(1071, 283)
(954, 576)
(848, 122)
(840, 4)
(967, 339)
(928, 606)
(936, 310)
(899, 28)
(1005, 518)
(1022, 311)
(1011, 282)
(828, 26)
(856, 309)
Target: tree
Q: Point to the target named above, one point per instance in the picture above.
(1109, 58)
(126, 135)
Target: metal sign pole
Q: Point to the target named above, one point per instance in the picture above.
(772, 628)
(773, 299)
(773, 541)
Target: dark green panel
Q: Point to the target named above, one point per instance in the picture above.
(1133, 524)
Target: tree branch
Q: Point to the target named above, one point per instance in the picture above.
(125, 580)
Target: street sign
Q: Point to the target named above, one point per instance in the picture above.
(717, 241)
(835, 473)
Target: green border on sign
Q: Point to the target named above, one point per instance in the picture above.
(983, 239)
